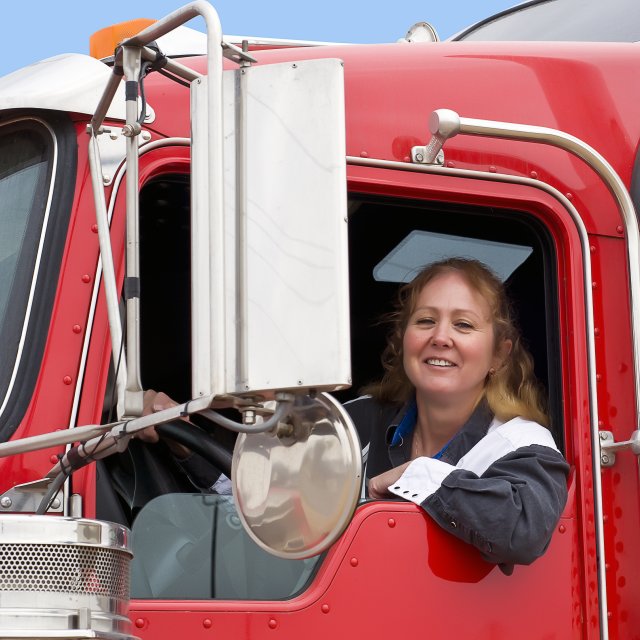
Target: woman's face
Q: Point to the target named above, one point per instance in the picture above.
(448, 345)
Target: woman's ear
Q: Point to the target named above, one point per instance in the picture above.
(502, 353)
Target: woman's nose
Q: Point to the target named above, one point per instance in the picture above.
(441, 336)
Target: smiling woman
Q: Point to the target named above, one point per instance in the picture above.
(449, 350)
(457, 420)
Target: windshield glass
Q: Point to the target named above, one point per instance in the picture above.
(193, 547)
(26, 151)
(563, 20)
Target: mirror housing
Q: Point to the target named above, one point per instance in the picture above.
(270, 301)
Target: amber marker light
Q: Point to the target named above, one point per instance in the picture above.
(103, 43)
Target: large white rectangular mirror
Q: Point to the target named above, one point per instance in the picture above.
(283, 321)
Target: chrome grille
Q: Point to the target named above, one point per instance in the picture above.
(64, 568)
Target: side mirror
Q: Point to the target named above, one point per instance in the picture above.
(296, 487)
(270, 269)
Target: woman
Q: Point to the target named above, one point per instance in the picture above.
(456, 424)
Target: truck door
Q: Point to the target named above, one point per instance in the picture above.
(192, 556)
(527, 240)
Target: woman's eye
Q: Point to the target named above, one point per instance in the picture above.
(425, 321)
(463, 324)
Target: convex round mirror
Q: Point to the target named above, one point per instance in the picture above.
(296, 487)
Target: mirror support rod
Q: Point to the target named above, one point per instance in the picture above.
(133, 397)
(106, 255)
(211, 271)
(82, 434)
(105, 101)
(172, 66)
(129, 56)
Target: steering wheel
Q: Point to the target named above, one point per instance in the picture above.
(198, 441)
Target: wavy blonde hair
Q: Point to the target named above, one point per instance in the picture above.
(512, 391)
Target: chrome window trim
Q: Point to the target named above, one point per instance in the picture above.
(36, 268)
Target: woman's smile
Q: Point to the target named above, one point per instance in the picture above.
(438, 362)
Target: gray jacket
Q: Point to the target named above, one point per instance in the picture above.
(500, 487)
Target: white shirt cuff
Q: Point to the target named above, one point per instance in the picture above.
(421, 479)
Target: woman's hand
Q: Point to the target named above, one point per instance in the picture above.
(378, 486)
(158, 401)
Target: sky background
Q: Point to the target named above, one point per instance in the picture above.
(40, 29)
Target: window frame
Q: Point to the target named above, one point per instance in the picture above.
(548, 255)
(32, 330)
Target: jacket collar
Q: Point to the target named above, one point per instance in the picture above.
(399, 434)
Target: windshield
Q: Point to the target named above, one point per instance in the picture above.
(562, 20)
(26, 152)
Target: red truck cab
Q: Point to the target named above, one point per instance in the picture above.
(541, 179)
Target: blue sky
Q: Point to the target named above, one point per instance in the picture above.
(39, 29)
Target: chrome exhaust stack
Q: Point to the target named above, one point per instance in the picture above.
(64, 578)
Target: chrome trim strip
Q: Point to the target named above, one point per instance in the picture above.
(591, 354)
(121, 380)
(283, 42)
(36, 268)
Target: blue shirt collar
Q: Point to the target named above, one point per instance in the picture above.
(405, 429)
(407, 424)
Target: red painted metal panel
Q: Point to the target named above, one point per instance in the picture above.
(397, 574)
(416, 577)
(52, 400)
(390, 90)
(620, 483)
